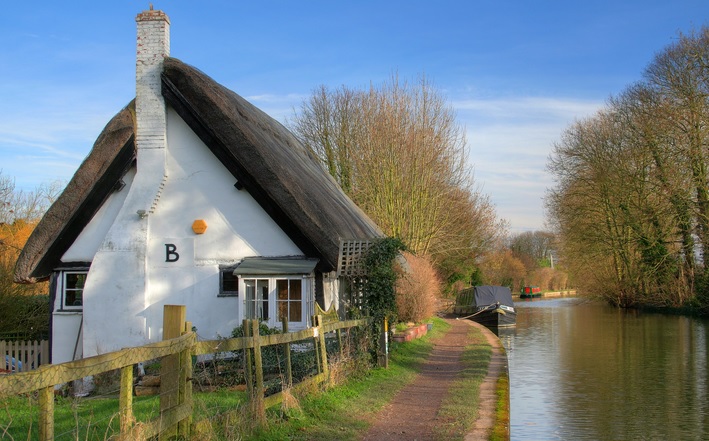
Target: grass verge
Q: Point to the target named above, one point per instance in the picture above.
(501, 431)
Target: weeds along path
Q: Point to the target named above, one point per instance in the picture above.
(413, 412)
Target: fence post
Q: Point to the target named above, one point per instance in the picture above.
(339, 343)
(323, 348)
(46, 413)
(384, 345)
(258, 404)
(248, 374)
(125, 402)
(316, 342)
(286, 350)
(185, 385)
(173, 324)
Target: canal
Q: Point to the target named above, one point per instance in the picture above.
(581, 370)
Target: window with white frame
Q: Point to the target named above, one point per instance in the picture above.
(73, 289)
(256, 299)
(274, 298)
(289, 299)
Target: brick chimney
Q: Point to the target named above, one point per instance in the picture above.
(153, 46)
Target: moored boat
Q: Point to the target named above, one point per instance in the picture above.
(488, 305)
(530, 292)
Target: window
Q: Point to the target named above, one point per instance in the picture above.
(290, 299)
(228, 282)
(73, 292)
(271, 299)
(256, 301)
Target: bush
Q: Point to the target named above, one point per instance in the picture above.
(24, 317)
(417, 289)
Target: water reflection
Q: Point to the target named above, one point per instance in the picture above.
(582, 370)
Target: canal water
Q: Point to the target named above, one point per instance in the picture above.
(581, 370)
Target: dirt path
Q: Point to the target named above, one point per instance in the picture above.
(412, 413)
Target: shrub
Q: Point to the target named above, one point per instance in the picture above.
(24, 317)
(417, 290)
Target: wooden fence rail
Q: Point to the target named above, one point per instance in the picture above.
(176, 404)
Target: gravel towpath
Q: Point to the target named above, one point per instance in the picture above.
(412, 413)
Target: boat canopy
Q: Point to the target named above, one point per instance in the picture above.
(489, 294)
(485, 295)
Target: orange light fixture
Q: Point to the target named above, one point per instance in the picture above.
(199, 226)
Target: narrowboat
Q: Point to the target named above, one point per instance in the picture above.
(488, 305)
(530, 292)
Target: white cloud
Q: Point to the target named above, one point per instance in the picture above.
(510, 140)
(529, 107)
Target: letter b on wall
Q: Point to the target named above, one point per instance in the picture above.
(171, 252)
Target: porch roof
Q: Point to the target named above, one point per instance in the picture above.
(256, 266)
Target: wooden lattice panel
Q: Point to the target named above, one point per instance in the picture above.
(351, 260)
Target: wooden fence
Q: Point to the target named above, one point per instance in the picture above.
(175, 353)
(23, 356)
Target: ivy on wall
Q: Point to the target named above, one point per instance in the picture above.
(378, 286)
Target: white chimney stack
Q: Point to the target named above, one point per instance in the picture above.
(126, 245)
(153, 46)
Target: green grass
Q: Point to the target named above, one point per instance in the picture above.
(459, 409)
(343, 412)
(96, 418)
(501, 431)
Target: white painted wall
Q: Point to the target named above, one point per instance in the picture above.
(331, 289)
(66, 336)
(200, 187)
(119, 310)
(90, 239)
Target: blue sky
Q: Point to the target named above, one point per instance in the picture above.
(517, 72)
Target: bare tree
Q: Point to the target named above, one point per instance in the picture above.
(28, 206)
(532, 248)
(631, 200)
(399, 153)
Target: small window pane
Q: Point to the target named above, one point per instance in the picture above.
(295, 311)
(74, 289)
(263, 288)
(228, 282)
(282, 310)
(295, 291)
(250, 304)
(282, 287)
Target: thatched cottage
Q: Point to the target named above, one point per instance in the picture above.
(191, 196)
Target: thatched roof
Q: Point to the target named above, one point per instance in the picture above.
(264, 157)
(97, 177)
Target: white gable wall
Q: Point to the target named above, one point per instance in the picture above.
(87, 244)
(67, 324)
(119, 310)
(200, 187)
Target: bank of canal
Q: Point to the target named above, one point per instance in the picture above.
(585, 371)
